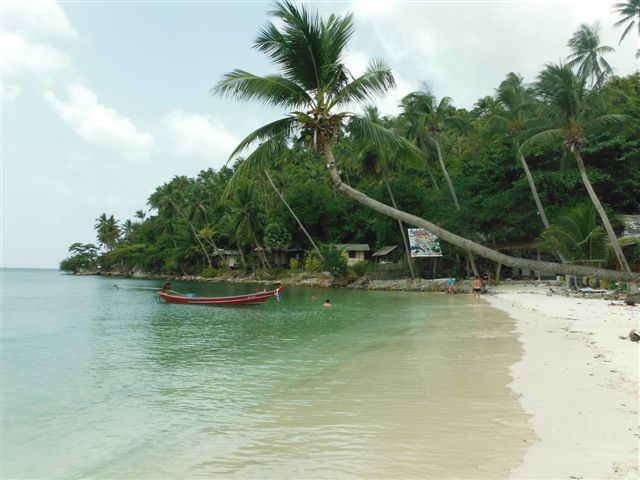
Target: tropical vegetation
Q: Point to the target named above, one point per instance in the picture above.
(508, 170)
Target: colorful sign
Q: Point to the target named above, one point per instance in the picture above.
(423, 243)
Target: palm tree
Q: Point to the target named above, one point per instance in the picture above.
(435, 117)
(587, 54)
(572, 109)
(630, 13)
(513, 113)
(578, 236)
(246, 218)
(313, 84)
(378, 162)
(286, 204)
(415, 130)
(108, 231)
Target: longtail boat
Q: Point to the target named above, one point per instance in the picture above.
(247, 299)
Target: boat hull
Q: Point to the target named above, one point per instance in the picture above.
(247, 299)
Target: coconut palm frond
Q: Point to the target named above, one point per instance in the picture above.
(256, 162)
(283, 127)
(381, 138)
(271, 89)
(542, 137)
(375, 81)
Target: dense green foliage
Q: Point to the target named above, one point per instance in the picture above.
(191, 221)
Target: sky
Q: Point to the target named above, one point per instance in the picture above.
(103, 101)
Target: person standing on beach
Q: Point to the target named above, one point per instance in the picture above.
(477, 287)
(450, 286)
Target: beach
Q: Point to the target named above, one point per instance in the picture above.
(578, 380)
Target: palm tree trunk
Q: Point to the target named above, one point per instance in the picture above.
(431, 176)
(315, 247)
(536, 197)
(401, 226)
(532, 186)
(461, 242)
(260, 250)
(603, 215)
(455, 198)
(446, 175)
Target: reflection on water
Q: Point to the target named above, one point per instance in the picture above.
(107, 382)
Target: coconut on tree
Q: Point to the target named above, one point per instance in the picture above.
(316, 88)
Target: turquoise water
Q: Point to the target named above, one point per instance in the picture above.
(105, 382)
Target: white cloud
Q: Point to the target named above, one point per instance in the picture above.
(18, 56)
(101, 125)
(202, 137)
(37, 17)
(9, 93)
(464, 49)
(54, 186)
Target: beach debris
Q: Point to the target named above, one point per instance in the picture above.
(634, 335)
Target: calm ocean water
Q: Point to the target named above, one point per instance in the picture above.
(105, 382)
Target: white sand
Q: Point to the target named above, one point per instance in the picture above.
(579, 382)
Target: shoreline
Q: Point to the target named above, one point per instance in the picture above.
(579, 382)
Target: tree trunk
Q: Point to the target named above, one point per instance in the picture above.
(315, 247)
(446, 175)
(603, 215)
(431, 176)
(407, 251)
(536, 198)
(532, 186)
(195, 234)
(461, 242)
(455, 199)
(260, 250)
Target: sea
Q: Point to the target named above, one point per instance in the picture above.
(99, 379)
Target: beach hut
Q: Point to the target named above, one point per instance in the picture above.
(282, 257)
(228, 258)
(385, 254)
(356, 252)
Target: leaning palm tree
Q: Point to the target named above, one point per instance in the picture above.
(630, 13)
(436, 116)
(572, 109)
(314, 86)
(514, 114)
(378, 161)
(587, 54)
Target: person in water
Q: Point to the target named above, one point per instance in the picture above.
(327, 303)
(477, 287)
(450, 286)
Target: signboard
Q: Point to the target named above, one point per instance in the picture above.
(423, 243)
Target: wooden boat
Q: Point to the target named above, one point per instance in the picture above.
(247, 299)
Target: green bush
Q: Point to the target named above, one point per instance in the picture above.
(334, 261)
(294, 264)
(361, 268)
(209, 272)
(312, 263)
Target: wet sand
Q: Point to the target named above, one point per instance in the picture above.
(579, 381)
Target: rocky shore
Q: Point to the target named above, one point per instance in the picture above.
(326, 280)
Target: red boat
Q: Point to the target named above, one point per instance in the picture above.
(248, 299)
